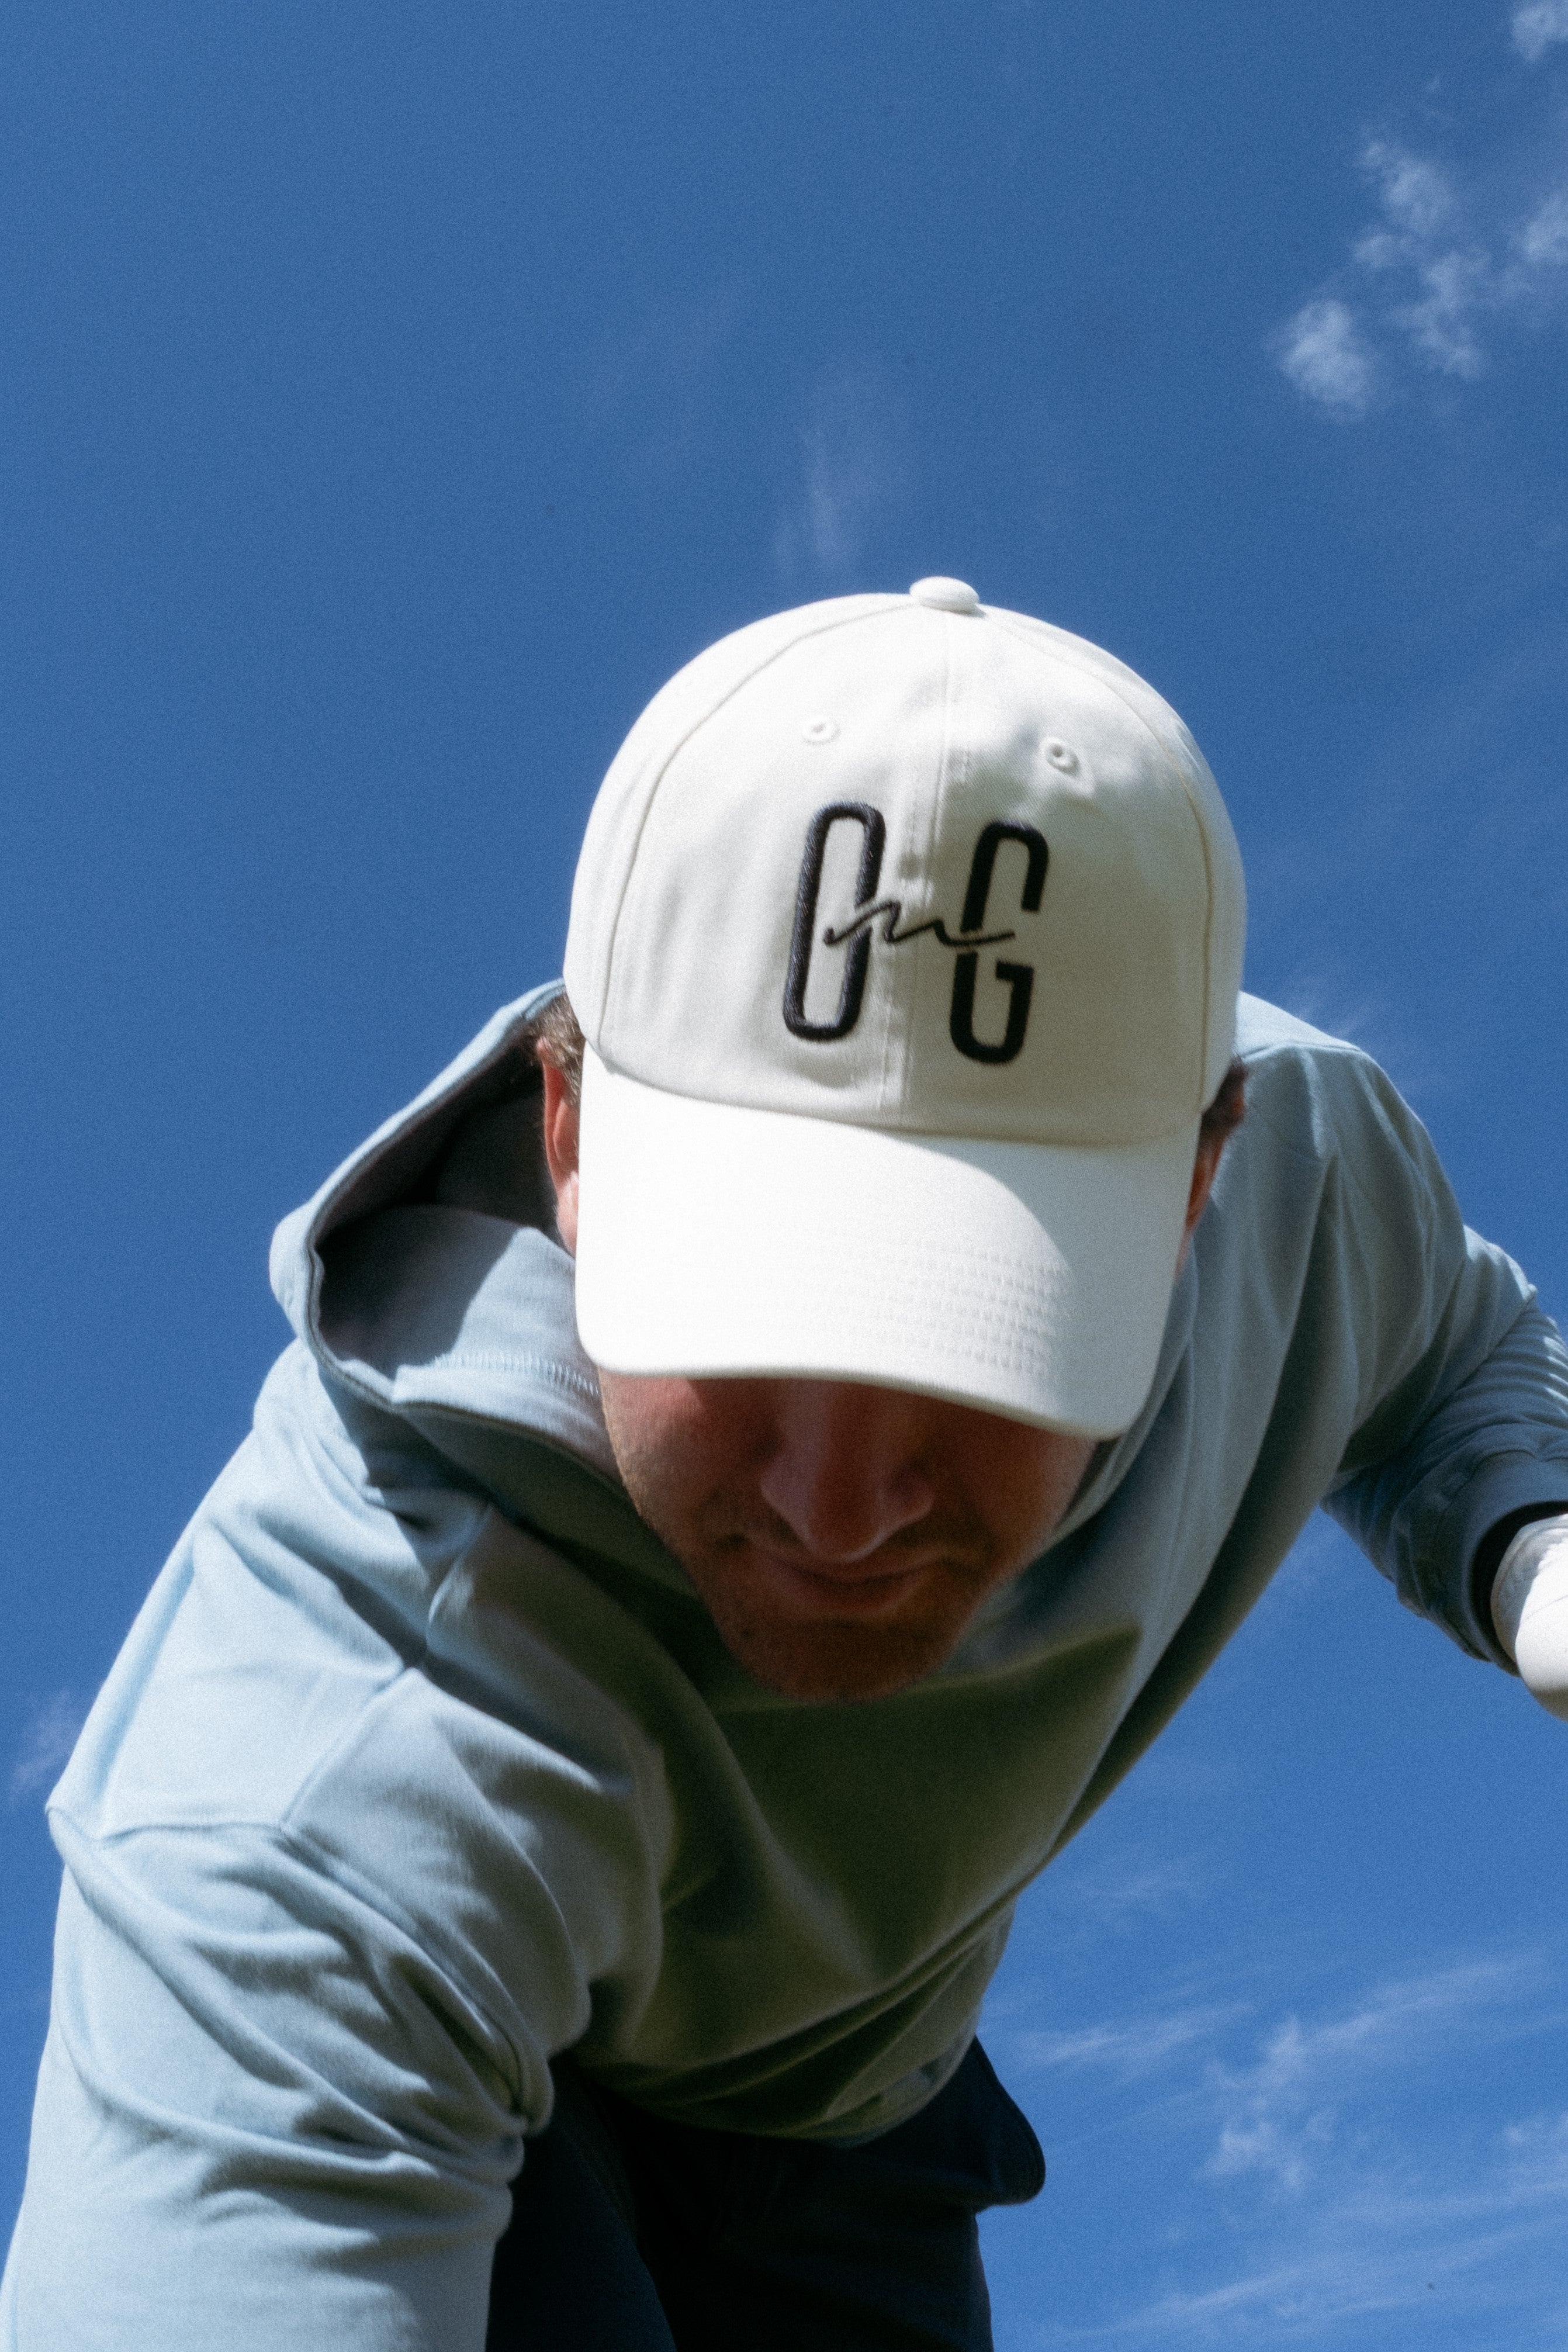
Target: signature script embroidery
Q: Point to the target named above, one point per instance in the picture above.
(892, 909)
(858, 933)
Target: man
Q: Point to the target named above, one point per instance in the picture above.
(773, 1434)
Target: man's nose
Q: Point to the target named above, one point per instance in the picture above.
(844, 1475)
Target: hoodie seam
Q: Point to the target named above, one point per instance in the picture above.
(378, 1899)
(1174, 758)
(539, 1368)
(704, 717)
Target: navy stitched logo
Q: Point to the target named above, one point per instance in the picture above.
(876, 918)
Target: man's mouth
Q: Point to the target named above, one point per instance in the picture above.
(853, 1588)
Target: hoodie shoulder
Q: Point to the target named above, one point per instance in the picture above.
(1263, 1028)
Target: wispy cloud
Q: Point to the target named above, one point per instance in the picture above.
(48, 1738)
(1538, 2155)
(1388, 2245)
(1538, 27)
(1130, 2049)
(1341, 2209)
(653, 389)
(1323, 352)
(1137, 1890)
(1451, 260)
(851, 464)
(1280, 2111)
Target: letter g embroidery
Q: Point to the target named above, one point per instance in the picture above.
(872, 912)
(1019, 977)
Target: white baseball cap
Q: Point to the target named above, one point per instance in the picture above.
(905, 939)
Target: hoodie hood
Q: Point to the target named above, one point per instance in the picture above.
(426, 1276)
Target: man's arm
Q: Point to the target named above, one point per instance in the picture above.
(265, 2117)
(1437, 1510)
(340, 1879)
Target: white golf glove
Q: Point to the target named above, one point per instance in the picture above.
(1530, 1609)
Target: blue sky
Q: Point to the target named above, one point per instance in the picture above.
(393, 397)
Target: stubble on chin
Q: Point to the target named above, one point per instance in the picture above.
(805, 1652)
(812, 1656)
(829, 1662)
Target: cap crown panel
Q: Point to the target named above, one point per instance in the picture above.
(615, 823)
(944, 726)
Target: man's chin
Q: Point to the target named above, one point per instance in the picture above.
(826, 1663)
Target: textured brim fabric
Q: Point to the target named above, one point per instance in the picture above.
(1030, 1280)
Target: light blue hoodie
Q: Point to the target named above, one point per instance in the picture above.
(423, 1761)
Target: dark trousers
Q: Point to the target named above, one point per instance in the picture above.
(630, 2235)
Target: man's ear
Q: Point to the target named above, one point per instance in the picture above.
(1205, 1168)
(1219, 1123)
(560, 1151)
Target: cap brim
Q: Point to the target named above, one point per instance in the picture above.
(1031, 1280)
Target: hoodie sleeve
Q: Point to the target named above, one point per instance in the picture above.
(1463, 1414)
(265, 2117)
(1498, 1443)
(349, 1849)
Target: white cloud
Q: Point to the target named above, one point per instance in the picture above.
(1322, 351)
(1543, 239)
(652, 388)
(851, 464)
(1347, 2216)
(1416, 197)
(47, 1740)
(1538, 2155)
(1385, 2242)
(1456, 288)
(1139, 1890)
(1538, 27)
(1280, 2113)
(1354, 2264)
(1130, 2049)
(1448, 265)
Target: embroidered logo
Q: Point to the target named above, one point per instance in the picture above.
(883, 918)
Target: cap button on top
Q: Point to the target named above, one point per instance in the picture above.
(945, 596)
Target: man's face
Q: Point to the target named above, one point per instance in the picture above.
(842, 1536)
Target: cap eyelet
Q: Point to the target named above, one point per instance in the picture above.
(820, 731)
(1062, 755)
